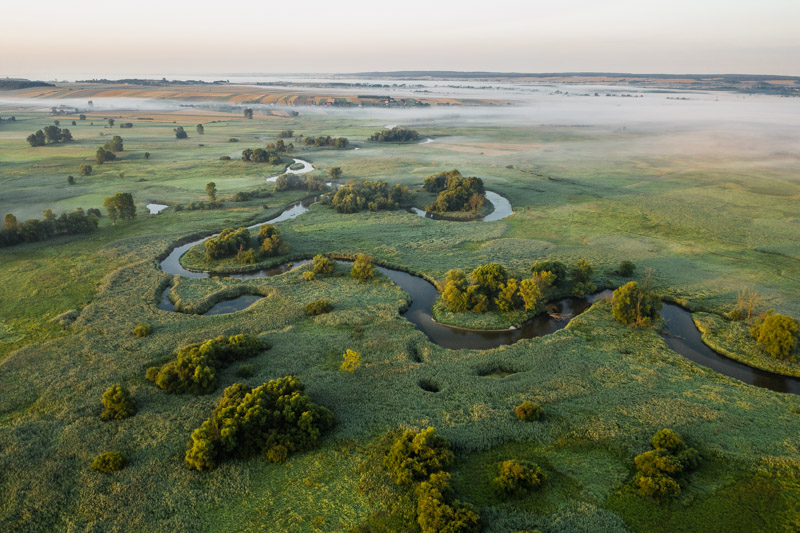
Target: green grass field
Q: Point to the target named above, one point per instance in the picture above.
(708, 222)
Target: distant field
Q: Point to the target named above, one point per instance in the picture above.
(711, 208)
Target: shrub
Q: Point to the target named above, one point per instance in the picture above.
(415, 455)
(557, 268)
(318, 307)
(270, 238)
(434, 512)
(352, 360)
(118, 403)
(517, 477)
(309, 276)
(362, 268)
(109, 462)
(634, 306)
(224, 158)
(659, 471)
(195, 367)
(276, 418)
(529, 411)
(626, 269)
(777, 334)
(323, 265)
(142, 330)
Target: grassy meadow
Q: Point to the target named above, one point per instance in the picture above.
(708, 220)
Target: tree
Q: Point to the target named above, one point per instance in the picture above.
(118, 403)
(352, 360)
(102, 155)
(323, 265)
(248, 113)
(70, 180)
(507, 298)
(180, 133)
(85, 169)
(661, 470)
(582, 278)
(626, 269)
(147, 155)
(530, 293)
(517, 477)
(36, 139)
(335, 172)
(415, 455)
(111, 122)
(362, 268)
(211, 191)
(747, 301)
(82, 117)
(200, 129)
(454, 294)
(489, 278)
(10, 222)
(120, 206)
(557, 268)
(57, 122)
(777, 334)
(634, 306)
(114, 145)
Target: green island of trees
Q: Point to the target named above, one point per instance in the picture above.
(456, 193)
(332, 142)
(289, 181)
(49, 135)
(372, 195)
(394, 135)
(277, 419)
(196, 366)
(238, 242)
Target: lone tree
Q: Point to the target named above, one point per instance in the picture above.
(70, 180)
(200, 129)
(248, 113)
(180, 133)
(635, 306)
(118, 403)
(211, 191)
(86, 170)
(362, 268)
(335, 172)
(120, 206)
(777, 334)
(111, 122)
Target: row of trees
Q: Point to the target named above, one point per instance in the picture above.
(288, 181)
(34, 229)
(49, 135)
(372, 195)
(490, 288)
(334, 142)
(456, 193)
(259, 155)
(277, 419)
(196, 366)
(394, 135)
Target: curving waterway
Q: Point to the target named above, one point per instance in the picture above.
(502, 209)
(679, 333)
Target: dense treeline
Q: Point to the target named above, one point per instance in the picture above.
(195, 367)
(489, 287)
(456, 193)
(372, 195)
(276, 419)
(419, 460)
(394, 135)
(49, 135)
(334, 142)
(231, 242)
(288, 181)
(34, 230)
(259, 155)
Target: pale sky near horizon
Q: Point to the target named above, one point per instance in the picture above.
(48, 38)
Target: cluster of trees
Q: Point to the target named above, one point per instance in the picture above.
(276, 419)
(334, 142)
(259, 155)
(661, 471)
(120, 206)
(490, 288)
(195, 367)
(229, 242)
(320, 266)
(456, 193)
(279, 147)
(49, 135)
(117, 403)
(394, 135)
(777, 334)
(34, 230)
(270, 242)
(286, 134)
(419, 460)
(107, 152)
(243, 196)
(372, 195)
(288, 181)
(634, 305)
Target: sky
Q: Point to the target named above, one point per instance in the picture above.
(49, 39)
